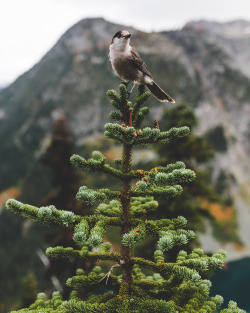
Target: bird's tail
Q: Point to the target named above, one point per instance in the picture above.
(158, 93)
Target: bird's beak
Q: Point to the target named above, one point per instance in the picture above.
(128, 36)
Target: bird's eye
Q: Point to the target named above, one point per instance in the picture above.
(118, 35)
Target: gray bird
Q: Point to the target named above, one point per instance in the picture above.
(127, 63)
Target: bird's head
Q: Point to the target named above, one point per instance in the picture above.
(121, 38)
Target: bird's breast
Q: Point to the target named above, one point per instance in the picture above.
(121, 63)
(121, 66)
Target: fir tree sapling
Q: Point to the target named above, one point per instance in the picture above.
(139, 285)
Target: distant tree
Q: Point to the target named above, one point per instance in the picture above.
(28, 290)
(56, 158)
(199, 200)
(64, 185)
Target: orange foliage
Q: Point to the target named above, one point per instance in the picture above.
(12, 192)
(238, 247)
(114, 152)
(219, 212)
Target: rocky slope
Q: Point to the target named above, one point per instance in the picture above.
(205, 64)
(225, 111)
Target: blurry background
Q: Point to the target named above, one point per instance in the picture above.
(53, 81)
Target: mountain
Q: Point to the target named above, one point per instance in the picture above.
(205, 64)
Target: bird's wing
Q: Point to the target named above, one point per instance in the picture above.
(136, 61)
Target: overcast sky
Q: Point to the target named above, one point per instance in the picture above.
(29, 28)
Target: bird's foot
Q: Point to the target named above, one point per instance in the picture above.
(128, 93)
(125, 83)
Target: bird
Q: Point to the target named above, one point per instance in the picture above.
(128, 65)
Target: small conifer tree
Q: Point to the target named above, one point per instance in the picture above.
(133, 284)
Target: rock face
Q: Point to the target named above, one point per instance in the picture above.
(205, 64)
(222, 59)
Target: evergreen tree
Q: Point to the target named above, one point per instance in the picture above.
(199, 200)
(28, 289)
(56, 158)
(133, 284)
(64, 187)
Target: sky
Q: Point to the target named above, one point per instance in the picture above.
(29, 28)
